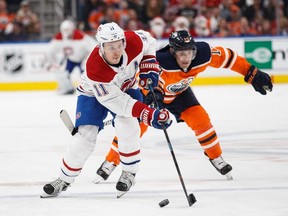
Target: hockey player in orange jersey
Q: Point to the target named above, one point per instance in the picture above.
(181, 61)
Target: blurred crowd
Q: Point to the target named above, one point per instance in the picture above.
(202, 18)
(205, 18)
(21, 25)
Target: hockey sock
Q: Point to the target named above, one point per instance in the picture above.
(113, 154)
(198, 120)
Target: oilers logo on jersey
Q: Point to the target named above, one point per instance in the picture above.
(180, 86)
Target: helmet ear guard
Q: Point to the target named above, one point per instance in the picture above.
(109, 32)
(182, 40)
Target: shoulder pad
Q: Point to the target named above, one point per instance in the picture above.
(203, 53)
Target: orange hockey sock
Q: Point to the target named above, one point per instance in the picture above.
(198, 120)
(113, 154)
(143, 128)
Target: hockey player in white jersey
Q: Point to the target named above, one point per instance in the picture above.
(68, 49)
(110, 85)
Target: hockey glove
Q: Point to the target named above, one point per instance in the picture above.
(260, 81)
(155, 118)
(149, 99)
(149, 74)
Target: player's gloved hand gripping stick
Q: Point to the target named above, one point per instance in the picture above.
(190, 198)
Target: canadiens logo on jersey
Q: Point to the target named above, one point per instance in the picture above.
(127, 84)
(180, 86)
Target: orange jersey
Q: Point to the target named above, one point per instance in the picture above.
(174, 80)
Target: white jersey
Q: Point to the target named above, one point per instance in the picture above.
(76, 49)
(108, 83)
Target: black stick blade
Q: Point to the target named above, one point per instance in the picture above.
(191, 199)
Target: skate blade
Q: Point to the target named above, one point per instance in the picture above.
(121, 193)
(229, 176)
(97, 179)
(45, 195)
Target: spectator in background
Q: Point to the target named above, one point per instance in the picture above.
(283, 24)
(170, 14)
(201, 26)
(187, 8)
(182, 23)
(123, 13)
(95, 15)
(158, 28)
(257, 22)
(109, 15)
(133, 23)
(29, 20)
(91, 8)
(269, 10)
(269, 14)
(212, 13)
(253, 11)
(267, 29)
(5, 16)
(234, 22)
(245, 29)
(225, 11)
(151, 9)
(14, 32)
(136, 5)
(223, 29)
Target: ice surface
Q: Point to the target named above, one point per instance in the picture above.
(253, 131)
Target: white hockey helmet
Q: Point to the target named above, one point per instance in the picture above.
(67, 28)
(109, 32)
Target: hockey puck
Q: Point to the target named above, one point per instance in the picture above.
(164, 203)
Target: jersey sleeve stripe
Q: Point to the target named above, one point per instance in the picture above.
(231, 55)
(226, 58)
(234, 60)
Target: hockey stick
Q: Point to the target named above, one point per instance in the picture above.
(190, 198)
(69, 124)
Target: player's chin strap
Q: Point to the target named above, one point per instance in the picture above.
(191, 198)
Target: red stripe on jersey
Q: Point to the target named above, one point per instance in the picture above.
(70, 168)
(97, 69)
(129, 154)
(148, 57)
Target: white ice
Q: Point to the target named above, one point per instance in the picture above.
(253, 132)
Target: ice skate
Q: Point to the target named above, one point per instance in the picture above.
(104, 172)
(222, 167)
(54, 188)
(125, 182)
